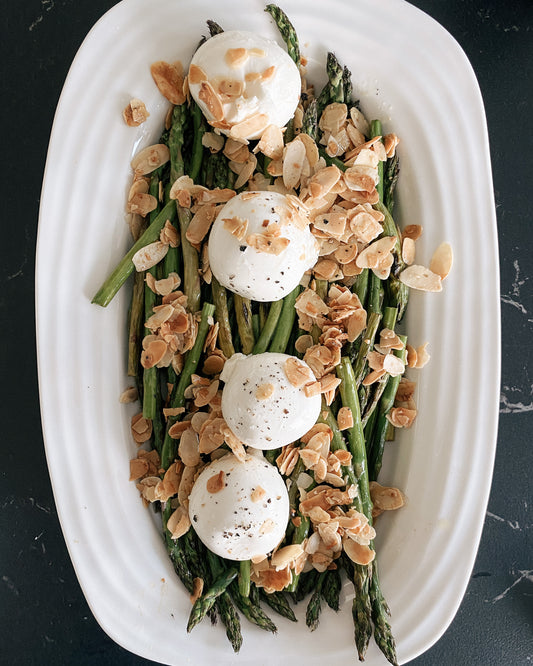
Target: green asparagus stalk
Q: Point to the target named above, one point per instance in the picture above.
(222, 316)
(279, 603)
(202, 605)
(382, 630)
(312, 615)
(376, 130)
(287, 31)
(243, 313)
(268, 329)
(385, 405)
(244, 578)
(125, 267)
(331, 589)
(285, 323)
(251, 611)
(214, 28)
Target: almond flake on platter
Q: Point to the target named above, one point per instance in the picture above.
(168, 78)
(442, 260)
(422, 278)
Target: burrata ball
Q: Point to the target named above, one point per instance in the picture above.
(244, 82)
(260, 246)
(239, 510)
(259, 403)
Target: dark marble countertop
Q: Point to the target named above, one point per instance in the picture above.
(44, 618)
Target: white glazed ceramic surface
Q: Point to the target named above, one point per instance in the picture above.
(409, 72)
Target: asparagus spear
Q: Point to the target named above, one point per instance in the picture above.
(268, 329)
(285, 322)
(222, 316)
(279, 603)
(243, 313)
(385, 405)
(331, 589)
(382, 630)
(125, 267)
(251, 611)
(204, 603)
(214, 28)
(287, 31)
(314, 606)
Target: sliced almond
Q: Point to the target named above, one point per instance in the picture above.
(236, 227)
(169, 79)
(216, 482)
(236, 57)
(150, 158)
(293, 158)
(422, 278)
(358, 553)
(149, 256)
(442, 260)
(196, 75)
(135, 113)
(212, 101)
(264, 391)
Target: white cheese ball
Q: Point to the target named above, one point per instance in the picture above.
(255, 273)
(249, 75)
(248, 515)
(262, 408)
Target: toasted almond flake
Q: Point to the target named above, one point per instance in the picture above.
(312, 389)
(197, 589)
(401, 417)
(358, 553)
(246, 172)
(150, 158)
(271, 142)
(177, 429)
(297, 372)
(374, 253)
(408, 250)
(142, 204)
(286, 556)
(141, 428)
(345, 418)
(188, 448)
(231, 88)
(212, 101)
(390, 142)
(413, 231)
(196, 75)
(216, 482)
(169, 79)
(135, 113)
(236, 57)
(442, 260)
(200, 224)
(178, 524)
(422, 356)
(215, 142)
(303, 343)
(268, 73)
(129, 394)
(169, 235)
(236, 226)
(250, 77)
(325, 269)
(172, 411)
(264, 391)
(420, 277)
(333, 117)
(373, 377)
(250, 127)
(359, 121)
(267, 526)
(386, 498)
(257, 494)
(309, 457)
(293, 158)
(213, 364)
(267, 244)
(153, 353)
(149, 256)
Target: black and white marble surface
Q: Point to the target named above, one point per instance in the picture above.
(44, 618)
